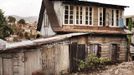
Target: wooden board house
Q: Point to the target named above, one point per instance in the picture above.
(72, 29)
(103, 22)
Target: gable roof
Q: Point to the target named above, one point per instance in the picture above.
(73, 2)
(49, 7)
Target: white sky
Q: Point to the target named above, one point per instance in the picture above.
(32, 7)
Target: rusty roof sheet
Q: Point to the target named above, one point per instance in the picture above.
(40, 41)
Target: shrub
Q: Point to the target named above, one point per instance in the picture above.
(92, 62)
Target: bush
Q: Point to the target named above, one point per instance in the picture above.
(92, 62)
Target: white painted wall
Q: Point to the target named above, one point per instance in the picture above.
(46, 31)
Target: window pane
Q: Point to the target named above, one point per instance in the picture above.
(66, 12)
(71, 17)
(66, 7)
(66, 21)
(117, 17)
(66, 16)
(71, 7)
(112, 17)
(86, 22)
(71, 21)
(95, 49)
(71, 12)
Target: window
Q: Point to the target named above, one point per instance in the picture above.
(117, 17)
(68, 17)
(88, 16)
(102, 16)
(95, 49)
(78, 15)
(112, 18)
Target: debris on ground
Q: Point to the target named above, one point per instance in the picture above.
(125, 68)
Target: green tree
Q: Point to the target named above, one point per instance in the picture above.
(21, 21)
(5, 29)
(130, 24)
(11, 19)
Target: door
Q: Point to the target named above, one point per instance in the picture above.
(115, 53)
(76, 52)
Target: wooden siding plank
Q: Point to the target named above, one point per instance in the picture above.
(48, 57)
(21, 63)
(1, 65)
(7, 67)
(32, 62)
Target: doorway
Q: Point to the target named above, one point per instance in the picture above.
(115, 52)
(76, 52)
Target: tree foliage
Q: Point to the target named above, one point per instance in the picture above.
(11, 19)
(21, 21)
(130, 24)
(5, 29)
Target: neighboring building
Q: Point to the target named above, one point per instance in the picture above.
(127, 18)
(72, 30)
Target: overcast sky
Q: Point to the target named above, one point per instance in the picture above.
(32, 7)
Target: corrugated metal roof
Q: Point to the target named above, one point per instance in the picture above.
(40, 41)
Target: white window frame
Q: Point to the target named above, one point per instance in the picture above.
(112, 18)
(88, 16)
(78, 15)
(68, 15)
(99, 16)
(115, 18)
(74, 15)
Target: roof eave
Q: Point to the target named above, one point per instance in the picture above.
(94, 4)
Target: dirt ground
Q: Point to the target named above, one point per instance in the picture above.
(125, 68)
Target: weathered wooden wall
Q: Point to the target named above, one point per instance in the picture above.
(21, 63)
(54, 59)
(50, 59)
(106, 42)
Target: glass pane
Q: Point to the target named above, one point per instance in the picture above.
(90, 9)
(71, 12)
(66, 7)
(66, 16)
(66, 21)
(66, 12)
(71, 17)
(71, 21)
(81, 22)
(86, 22)
(71, 7)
